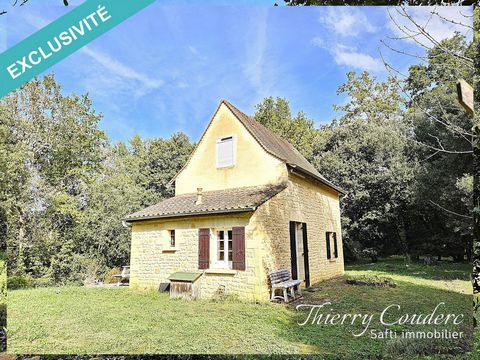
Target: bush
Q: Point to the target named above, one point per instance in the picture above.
(368, 280)
(23, 282)
(370, 253)
(108, 278)
(17, 282)
(39, 282)
(414, 348)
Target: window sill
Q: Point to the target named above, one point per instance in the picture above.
(170, 249)
(333, 260)
(221, 271)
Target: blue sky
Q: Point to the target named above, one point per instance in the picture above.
(166, 68)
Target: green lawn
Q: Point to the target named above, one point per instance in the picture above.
(119, 320)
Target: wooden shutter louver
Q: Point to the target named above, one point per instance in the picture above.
(335, 246)
(238, 248)
(203, 248)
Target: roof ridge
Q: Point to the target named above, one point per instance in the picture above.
(214, 202)
(277, 137)
(233, 189)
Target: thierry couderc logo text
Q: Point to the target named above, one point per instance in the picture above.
(65, 38)
(392, 315)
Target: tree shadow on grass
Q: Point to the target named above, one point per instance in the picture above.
(441, 270)
(338, 339)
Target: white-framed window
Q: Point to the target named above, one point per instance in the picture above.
(225, 152)
(224, 248)
(172, 237)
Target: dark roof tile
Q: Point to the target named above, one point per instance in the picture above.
(213, 202)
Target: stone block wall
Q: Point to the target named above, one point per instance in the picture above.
(306, 202)
(152, 259)
(267, 242)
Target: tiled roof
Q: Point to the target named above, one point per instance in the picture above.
(278, 147)
(213, 202)
(272, 143)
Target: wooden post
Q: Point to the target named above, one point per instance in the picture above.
(465, 95)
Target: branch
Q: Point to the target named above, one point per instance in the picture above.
(450, 211)
(434, 12)
(429, 37)
(402, 52)
(451, 127)
(441, 148)
(410, 34)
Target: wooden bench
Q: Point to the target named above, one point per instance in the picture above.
(281, 279)
(125, 275)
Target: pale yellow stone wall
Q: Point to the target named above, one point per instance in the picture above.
(302, 201)
(267, 242)
(267, 237)
(253, 165)
(152, 261)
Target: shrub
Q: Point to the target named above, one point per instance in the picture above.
(368, 280)
(108, 278)
(414, 348)
(39, 282)
(22, 282)
(370, 253)
(17, 282)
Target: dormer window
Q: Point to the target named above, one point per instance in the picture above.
(225, 152)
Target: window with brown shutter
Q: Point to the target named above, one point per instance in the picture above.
(335, 246)
(329, 253)
(238, 253)
(203, 248)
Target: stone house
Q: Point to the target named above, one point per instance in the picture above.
(246, 203)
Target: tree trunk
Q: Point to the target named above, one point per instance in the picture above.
(402, 235)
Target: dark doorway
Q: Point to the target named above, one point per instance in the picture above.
(299, 252)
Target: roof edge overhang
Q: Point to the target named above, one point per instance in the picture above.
(222, 102)
(190, 214)
(338, 189)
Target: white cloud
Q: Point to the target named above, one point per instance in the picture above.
(346, 21)
(118, 69)
(193, 49)
(114, 74)
(318, 41)
(357, 60)
(437, 27)
(351, 57)
(36, 21)
(254, 67)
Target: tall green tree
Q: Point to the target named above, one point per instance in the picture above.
(443, 132)
(65, 189)
(367, 152)
(299, 130)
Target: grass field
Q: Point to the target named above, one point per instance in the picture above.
(119, 320)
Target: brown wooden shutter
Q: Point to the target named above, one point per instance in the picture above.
(293, 250)
(335, 246)
(203, 248)
(238, 247)
(329, 253)
(305, 255)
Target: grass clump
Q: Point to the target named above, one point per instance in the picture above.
(370, 280)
